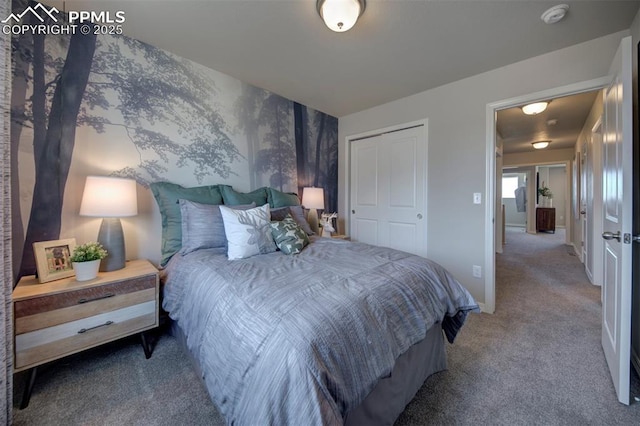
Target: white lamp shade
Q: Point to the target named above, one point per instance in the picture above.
(340, 15)
(109, 197)
(313, 198)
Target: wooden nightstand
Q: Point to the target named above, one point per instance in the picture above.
(341, 237)
(62, 317)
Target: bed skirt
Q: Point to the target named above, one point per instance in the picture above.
(391, 395)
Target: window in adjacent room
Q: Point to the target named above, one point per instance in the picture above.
(509, 186)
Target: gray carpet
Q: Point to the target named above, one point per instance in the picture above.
(537, 360)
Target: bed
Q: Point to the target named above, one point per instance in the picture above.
(341, 333)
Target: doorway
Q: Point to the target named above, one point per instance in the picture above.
(495, 151)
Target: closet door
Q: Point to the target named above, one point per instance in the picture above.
(388, 190)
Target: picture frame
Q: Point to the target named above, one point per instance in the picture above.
(53, 259)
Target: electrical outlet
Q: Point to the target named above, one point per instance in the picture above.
(477, 198)
(477, 271)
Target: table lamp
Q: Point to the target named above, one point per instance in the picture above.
(110, 198)
(313, 199)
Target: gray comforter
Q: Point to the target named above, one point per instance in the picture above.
(302, 339)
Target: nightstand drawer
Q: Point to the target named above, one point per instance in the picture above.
(84, 296)
(107, 302)
(43, 344)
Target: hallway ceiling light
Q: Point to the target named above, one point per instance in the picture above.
(535, 108)
(340, 15)
(541, 144)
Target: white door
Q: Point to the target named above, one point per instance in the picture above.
(388, 190)
(586, 193)
(617, 206)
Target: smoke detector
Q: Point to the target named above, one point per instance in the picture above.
(555, 14)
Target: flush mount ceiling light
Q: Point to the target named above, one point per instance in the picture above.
(340, 15)
(541, 144)
(535, 108)
(555, 14)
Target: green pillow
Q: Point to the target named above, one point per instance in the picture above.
(232, 197)
(289, 237)
(282, 199)
(167, 196)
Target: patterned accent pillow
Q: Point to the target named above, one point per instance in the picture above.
(289, 237)
(297, 213)
(248, 232)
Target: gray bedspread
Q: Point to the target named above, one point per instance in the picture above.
(302, 339)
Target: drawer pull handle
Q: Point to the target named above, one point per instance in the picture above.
(106, 296)
(84, 330)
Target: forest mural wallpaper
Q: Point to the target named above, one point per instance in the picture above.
(110, 105)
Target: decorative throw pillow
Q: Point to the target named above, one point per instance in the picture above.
(289, 237)
(232, 197)
(281, 199)
(167, 196)
(248, 232)
(297, 213)
(202, 226)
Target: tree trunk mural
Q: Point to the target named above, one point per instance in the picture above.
(323, 117)
(301, 146)
(22, 45)
(53, 153)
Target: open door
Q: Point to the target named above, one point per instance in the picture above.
(618, 216)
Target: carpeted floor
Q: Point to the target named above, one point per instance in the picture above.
(537, 360)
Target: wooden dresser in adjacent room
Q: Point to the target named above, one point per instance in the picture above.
(546, 219)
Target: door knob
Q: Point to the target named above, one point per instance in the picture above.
(419, 216)
(353, 212)
(610, 235)
(583, 212)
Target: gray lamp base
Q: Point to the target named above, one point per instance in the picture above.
(112, 239)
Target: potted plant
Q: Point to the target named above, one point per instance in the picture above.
(545, 192)
(86, 260)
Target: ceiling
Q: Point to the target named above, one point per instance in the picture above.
(519, 130)
(398, 48)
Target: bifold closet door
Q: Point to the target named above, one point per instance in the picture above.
(388, 190)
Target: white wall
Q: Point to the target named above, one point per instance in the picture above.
(457, 157)
(556, 180)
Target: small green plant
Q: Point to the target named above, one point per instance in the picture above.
(545, 191)
(88, 252)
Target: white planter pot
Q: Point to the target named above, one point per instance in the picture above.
(86, 270)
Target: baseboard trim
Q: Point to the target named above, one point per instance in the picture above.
(575, 250)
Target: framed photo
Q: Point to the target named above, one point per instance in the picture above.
(53, 259)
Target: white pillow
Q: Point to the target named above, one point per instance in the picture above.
(248, 232)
